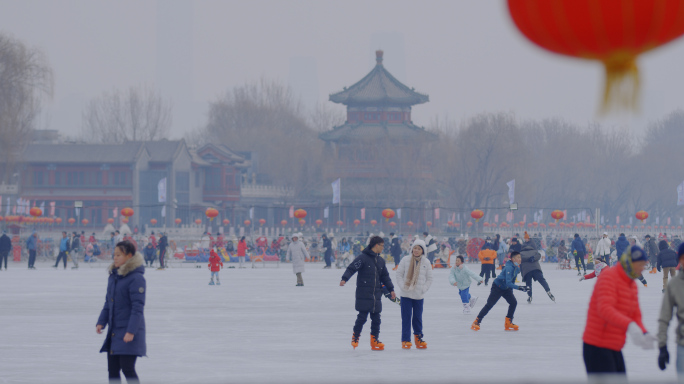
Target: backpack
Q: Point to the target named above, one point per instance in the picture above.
(96, 250)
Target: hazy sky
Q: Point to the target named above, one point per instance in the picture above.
(466, 55)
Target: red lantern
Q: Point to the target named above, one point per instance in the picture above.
(612, 32)
(58, 220)
(392, 224)
(450, 223)
(387, 214)
(211, 213)
(373, 222)
(458, 225)
(535, 224)
(340, 223)
(477, 214)
(515, 225)
(529, 225)
(486, 225)
(153, 221)
(198, 221)
(302, 222)
(110, 221)
(1, 218)
(262, 222)
(35, 212)
(542, 225)
(469, 224)
(127, 212)
(247, 223)
(71, 220)
(85, 221)
(178, 221)
(226, 221)
(679, 227)
(300, 213)
(557, 214)
(562, 225)
(410, 224)
(283, 222)
(124, 220)
(429, 223)
(357, 222)
(319, 222)
(642, 215)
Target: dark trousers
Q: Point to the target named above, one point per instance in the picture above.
(580, 258)
(411, 314)
(641, 278)
(161, 257)
(602, 360)
(494, 295)
(62, 255)
(328, 258)
(3, 256)
(486, 270)
(361, 320)
(125, 363)
(32, 258)
(431, 257)
(538, 276)
(397, 259)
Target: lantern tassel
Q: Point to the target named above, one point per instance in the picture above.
(622, 83)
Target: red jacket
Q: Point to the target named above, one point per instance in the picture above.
(153, 240)
(242, 248)
(614, 304)
(215, 262)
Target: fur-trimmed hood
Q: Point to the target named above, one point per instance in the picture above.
(132, 264)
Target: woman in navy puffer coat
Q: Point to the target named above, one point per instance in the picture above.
(123, 313)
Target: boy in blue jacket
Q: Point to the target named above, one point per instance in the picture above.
(503, 286)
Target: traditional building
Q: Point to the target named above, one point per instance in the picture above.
(378, 151)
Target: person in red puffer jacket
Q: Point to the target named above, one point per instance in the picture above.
(614, 313)
(215, 265)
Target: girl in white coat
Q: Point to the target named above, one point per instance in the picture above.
(414, 277)
(297, 252)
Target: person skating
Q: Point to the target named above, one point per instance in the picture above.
(123, 313)
(215, 265)
(461, 277)
(530, 269)
(503, 286)
(163, 244)
(634, 241)
(431, 246)
(673, 298)
(63, 250)
(149, 252)
(327, 256)
(241, 251)
(487, 257)
(613, 314)
(667, 261)
(651, 249)
(621, 245)
(577, 247)
(74, 249)
(372, 274)
(5, 248)
(395, 250)
(297, 252)
(603, 247)
(32, 245)
(599, 266)
(414, 278)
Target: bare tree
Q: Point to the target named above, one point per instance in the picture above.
(25, 80)
(136, 114)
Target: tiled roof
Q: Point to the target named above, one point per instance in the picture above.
(81, 153)
(379, 87)
(365, 131)
(162, 151)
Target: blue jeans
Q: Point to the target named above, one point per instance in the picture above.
(680, 360)
(407, 307)
(214, 274)
(465, 295)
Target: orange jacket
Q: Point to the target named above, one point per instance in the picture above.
(487, 256)
(614, 304)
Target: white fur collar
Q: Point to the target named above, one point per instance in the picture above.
(132, 263)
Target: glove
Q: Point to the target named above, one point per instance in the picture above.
(639, 338)
(524, 288)
(663, 358)
(581, 278)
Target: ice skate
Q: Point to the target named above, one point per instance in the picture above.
(355, 340)
(406, 345)
(376, 344)
(472, 302)
(420, 343)
(509, 326)
(529, 300)
(579, 273)
(479, 283)
(211, 282)
(74, 267)
(476, 324)
(466, 309)
(218, 282)
(394, 269)
(551, 296)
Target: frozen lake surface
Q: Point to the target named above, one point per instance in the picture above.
(258, 327)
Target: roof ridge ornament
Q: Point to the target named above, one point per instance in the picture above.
(378, 56)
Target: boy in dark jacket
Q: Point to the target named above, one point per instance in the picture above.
(531, 269)
(667, 261)
(652, 251)
(5, 248)
(503, 286)
(149, 252)
(577, 246)
(621, 246)
(372, 275)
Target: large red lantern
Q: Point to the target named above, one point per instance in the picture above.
(642, 215)
(388, 214)
(35, 212)
(300, 213)
(211, 213)
(127, 212)
(153, 221)
(262, 222)
(357, 222)
(110, 221)
(71, 220)
(226, 221)
(177, 221)
(319, 222)
(373, 222)
(613, 32)
(477, 214)
(283, 222)
(557, 215)
(247, 223)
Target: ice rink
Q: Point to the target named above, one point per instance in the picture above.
(258, 327)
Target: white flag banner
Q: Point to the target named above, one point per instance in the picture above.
(163, 212)
(541, 215)
(511, 191)
(436, 213)
(291, 211)
(630, 220)
(115, 213)
(78, 212)
(680, 194)
(399, 213)
(668, 221)
(42, 208)
(363, 213)
(658, 220)
(326, 213)
(251, 213)
(336, 191)
(617, 219)
(496, 218)
(7, 207)
(681, 221)
(161, 190)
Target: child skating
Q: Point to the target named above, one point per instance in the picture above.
(503, 286)
(461, 277)
(215, 265)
